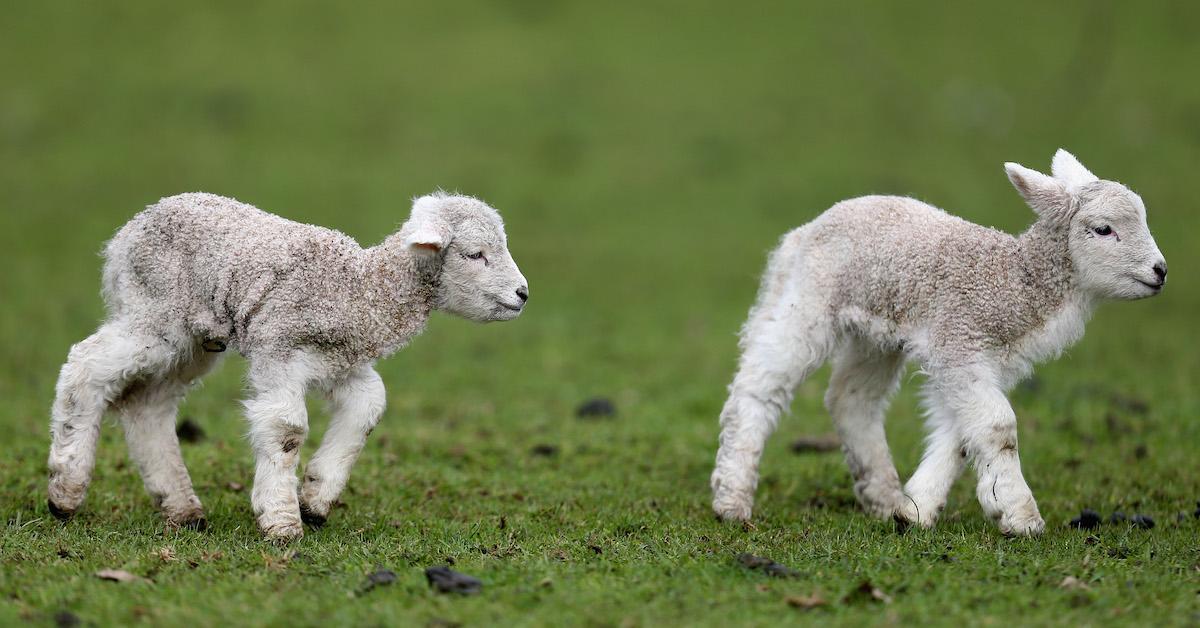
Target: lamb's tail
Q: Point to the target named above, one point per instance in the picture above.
(119, 253)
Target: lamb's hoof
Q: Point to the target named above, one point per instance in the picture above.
(284, 534)
(314, 520)
(732, 510)
(281, 529)
(1028, 525)
(59, 513)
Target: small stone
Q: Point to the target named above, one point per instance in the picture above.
(1142, 521)
(189, 432)
(446, 580)
(1087, 520)
(234, 486)
(596, 407)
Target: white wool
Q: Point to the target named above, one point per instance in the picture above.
(307, 306)
(877, 281)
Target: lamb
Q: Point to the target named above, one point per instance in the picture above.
(308, 307)
(877, 281)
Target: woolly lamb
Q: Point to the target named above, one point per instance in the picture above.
(879, 280)
(307, 307)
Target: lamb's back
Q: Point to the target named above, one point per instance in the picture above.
(900, 258)
(211, 259)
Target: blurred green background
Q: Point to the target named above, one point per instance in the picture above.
(645, 157)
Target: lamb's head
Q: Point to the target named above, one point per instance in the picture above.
(1111, 249)
(478, 279)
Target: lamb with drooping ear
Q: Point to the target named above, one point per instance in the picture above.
(877, 281)
(310, 309)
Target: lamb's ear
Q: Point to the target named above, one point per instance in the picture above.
(1066, 168)
(1046, 195)
(427, 232)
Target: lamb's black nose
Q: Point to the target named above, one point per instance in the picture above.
(1160, 269)
(523, 294)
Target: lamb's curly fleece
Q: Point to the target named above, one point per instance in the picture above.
(876, 281)
(198, 273)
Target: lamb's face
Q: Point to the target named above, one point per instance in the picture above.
(479, 280)
(1111, 246)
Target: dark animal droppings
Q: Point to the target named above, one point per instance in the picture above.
(66, 619)
(767, 566)
(544, 450)
(1087, 520)
(189, 432)
(379, 577)
(816, 444)
(1142, 521)
(446, 580)
(596, 407)
(1118, 518)
(1196, 514)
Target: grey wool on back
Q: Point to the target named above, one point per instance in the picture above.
(215, 268)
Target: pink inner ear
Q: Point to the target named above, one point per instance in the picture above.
(428, 246)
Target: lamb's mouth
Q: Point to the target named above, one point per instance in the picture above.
(1157, 287)
(515, 308)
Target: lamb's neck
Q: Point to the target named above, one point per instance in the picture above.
(1046, 261)
(1051, 291)
(397, 293)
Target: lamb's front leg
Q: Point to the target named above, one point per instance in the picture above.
(278, 426)
(989, 431)
(356, 403)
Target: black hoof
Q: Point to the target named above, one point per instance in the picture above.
(59, 513)
(199, 524)
(902, 524)
(314, 520)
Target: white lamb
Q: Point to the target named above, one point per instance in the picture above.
(307, 306)
(877, 281)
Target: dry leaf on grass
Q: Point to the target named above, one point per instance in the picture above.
(118, 575)
(806, 602)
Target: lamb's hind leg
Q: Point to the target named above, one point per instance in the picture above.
(863, 380)
(778, 352)
(941, 465)
(278, 425)
(148, 415)
(356, 403)
(97, 371)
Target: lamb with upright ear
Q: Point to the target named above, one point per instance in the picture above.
(195, 274)
(877, 281)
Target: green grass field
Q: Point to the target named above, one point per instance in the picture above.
(645, 159)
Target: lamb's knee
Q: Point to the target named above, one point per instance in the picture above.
(995, 438)
(278, 427)
(361, 400)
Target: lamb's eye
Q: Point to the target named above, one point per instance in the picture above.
(1103, 231)
(478, 255)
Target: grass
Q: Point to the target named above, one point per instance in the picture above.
(645, 158)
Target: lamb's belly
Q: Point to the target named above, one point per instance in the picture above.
(885, 333)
